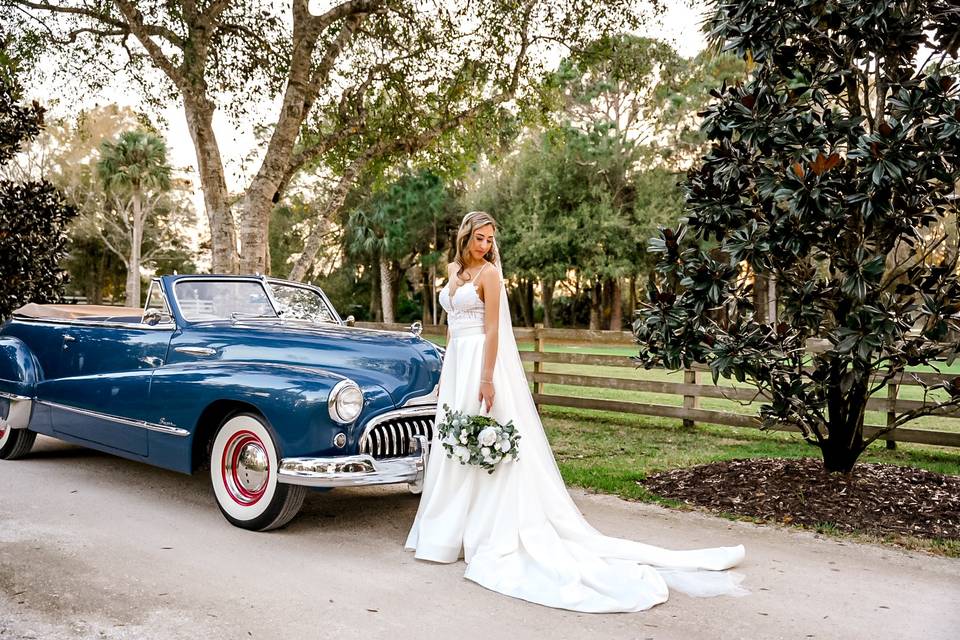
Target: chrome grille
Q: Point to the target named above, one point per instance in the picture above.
(392, 437)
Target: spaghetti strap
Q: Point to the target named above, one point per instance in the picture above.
(485, 263)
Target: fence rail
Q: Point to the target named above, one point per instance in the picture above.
(696, 385)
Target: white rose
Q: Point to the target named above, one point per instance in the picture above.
(487, 437)
(463, 438)
(504, 445)
(485, 451)
(462, 452)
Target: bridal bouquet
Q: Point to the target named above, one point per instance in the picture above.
(478, 440)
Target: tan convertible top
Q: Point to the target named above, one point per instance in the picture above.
(76, 311)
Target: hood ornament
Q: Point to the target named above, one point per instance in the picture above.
(416, 328)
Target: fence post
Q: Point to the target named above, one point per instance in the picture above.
(538, 341)
(689, 401)
(892, 390)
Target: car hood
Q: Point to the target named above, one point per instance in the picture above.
(402, 364)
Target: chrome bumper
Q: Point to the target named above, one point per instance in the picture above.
(18, 411)
(352, 471)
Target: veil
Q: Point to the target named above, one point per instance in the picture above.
(699, 572)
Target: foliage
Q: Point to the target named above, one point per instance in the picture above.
(406, 224)
(365, 82)
(33, 214)
(583, 193)
(826, 167)
(135, 165)
(286, 238)
(66, 153)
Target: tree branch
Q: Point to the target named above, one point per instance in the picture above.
(352, 7)
(143, 34)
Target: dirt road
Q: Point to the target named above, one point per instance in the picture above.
(92, 546)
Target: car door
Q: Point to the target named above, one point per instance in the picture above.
(103, 389)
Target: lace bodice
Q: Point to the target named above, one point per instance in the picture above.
(464, 309)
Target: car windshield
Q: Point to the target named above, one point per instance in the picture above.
(223, 300)
(302, 303)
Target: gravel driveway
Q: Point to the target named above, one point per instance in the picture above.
(92, 546)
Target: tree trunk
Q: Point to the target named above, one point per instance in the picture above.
(616, 306)
(223, 233)
(375, 310)
(96, 287)
(606, 303)
(772, 299)
(386, 290)
(426, 296)
(595, 306)
(632, 304)
(547, 289)
(844, 443)
(133, 264)
(322, 222)
(528, 299)
(304, 80)
(433, 294)
(761, 298)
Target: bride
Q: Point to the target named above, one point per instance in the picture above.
(518, 529)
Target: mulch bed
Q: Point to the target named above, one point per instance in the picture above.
(878, 499)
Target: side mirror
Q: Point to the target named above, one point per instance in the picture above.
(151, 317)
(349, 320)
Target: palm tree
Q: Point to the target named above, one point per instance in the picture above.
(135, 174)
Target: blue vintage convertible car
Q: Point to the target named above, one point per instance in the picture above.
(257, 378)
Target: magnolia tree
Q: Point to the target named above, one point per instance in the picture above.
(33, 213)
(831, 171)
(357, 84)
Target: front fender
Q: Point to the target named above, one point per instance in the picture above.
(19, 374)
(19, 369)
(293, 399)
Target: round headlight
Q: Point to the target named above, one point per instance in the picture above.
(346, 401)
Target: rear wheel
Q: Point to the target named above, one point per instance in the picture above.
(15, 443)
(243, 472)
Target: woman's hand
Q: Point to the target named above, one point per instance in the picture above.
(486, 394)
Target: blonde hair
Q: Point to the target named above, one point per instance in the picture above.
(471, 222)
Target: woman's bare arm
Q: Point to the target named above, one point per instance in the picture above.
(490, 287)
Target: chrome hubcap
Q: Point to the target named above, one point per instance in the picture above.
(246, 468)
(252, 467)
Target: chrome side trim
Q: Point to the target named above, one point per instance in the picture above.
(140, 424)
(196, 351)
(403, 412)
(97, 323)
(12, 396)
(351, 471)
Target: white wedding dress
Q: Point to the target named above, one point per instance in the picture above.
(518, 529)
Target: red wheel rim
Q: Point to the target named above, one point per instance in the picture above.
(243, 461)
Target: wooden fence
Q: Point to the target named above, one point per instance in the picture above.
(696, 384)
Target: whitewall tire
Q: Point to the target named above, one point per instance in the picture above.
(243, 473)
(15, 443)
